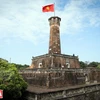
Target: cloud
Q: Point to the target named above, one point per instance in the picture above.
(78, 14)
(24, 19)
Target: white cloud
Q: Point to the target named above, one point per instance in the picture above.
(24, 18)
(78, 15)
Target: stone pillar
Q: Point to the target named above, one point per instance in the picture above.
(48, 80)
(54, 42)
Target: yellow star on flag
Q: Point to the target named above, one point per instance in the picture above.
(47, 8)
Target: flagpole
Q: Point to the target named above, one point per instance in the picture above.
(54, 9)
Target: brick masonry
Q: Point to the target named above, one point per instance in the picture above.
(55, 61)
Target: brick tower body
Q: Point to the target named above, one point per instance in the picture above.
(54, 58)
(54, 42)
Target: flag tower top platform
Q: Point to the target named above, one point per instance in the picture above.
(54, 20)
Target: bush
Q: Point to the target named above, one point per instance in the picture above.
(11, 82)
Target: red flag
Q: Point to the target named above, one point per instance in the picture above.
(48, 8)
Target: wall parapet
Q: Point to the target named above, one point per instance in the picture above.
(55, 78)
(80, 92)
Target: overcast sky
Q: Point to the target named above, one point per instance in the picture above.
(24, 29)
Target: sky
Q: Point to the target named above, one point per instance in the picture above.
(24, 29)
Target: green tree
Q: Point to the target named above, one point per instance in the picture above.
(19, 66)
(93, 64)
(11, 82)
(82, 64)
(98, 65)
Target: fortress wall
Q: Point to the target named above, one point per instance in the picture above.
(81, 92)
(55, 78)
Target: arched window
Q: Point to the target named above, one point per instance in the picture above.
(68, 65)
(40, 65)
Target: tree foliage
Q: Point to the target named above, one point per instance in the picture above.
(89, 64)
(82, 64)
(19, 66)
(11, 82)
(93, 64)
(98, 65)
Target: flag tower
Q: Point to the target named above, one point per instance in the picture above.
(54, 58)
(54, 41)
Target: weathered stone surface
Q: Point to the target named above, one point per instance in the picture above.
(80, 92)
(53, 78)
(55, 61)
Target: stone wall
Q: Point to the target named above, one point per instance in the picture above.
(81, 92)
(55, 78)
